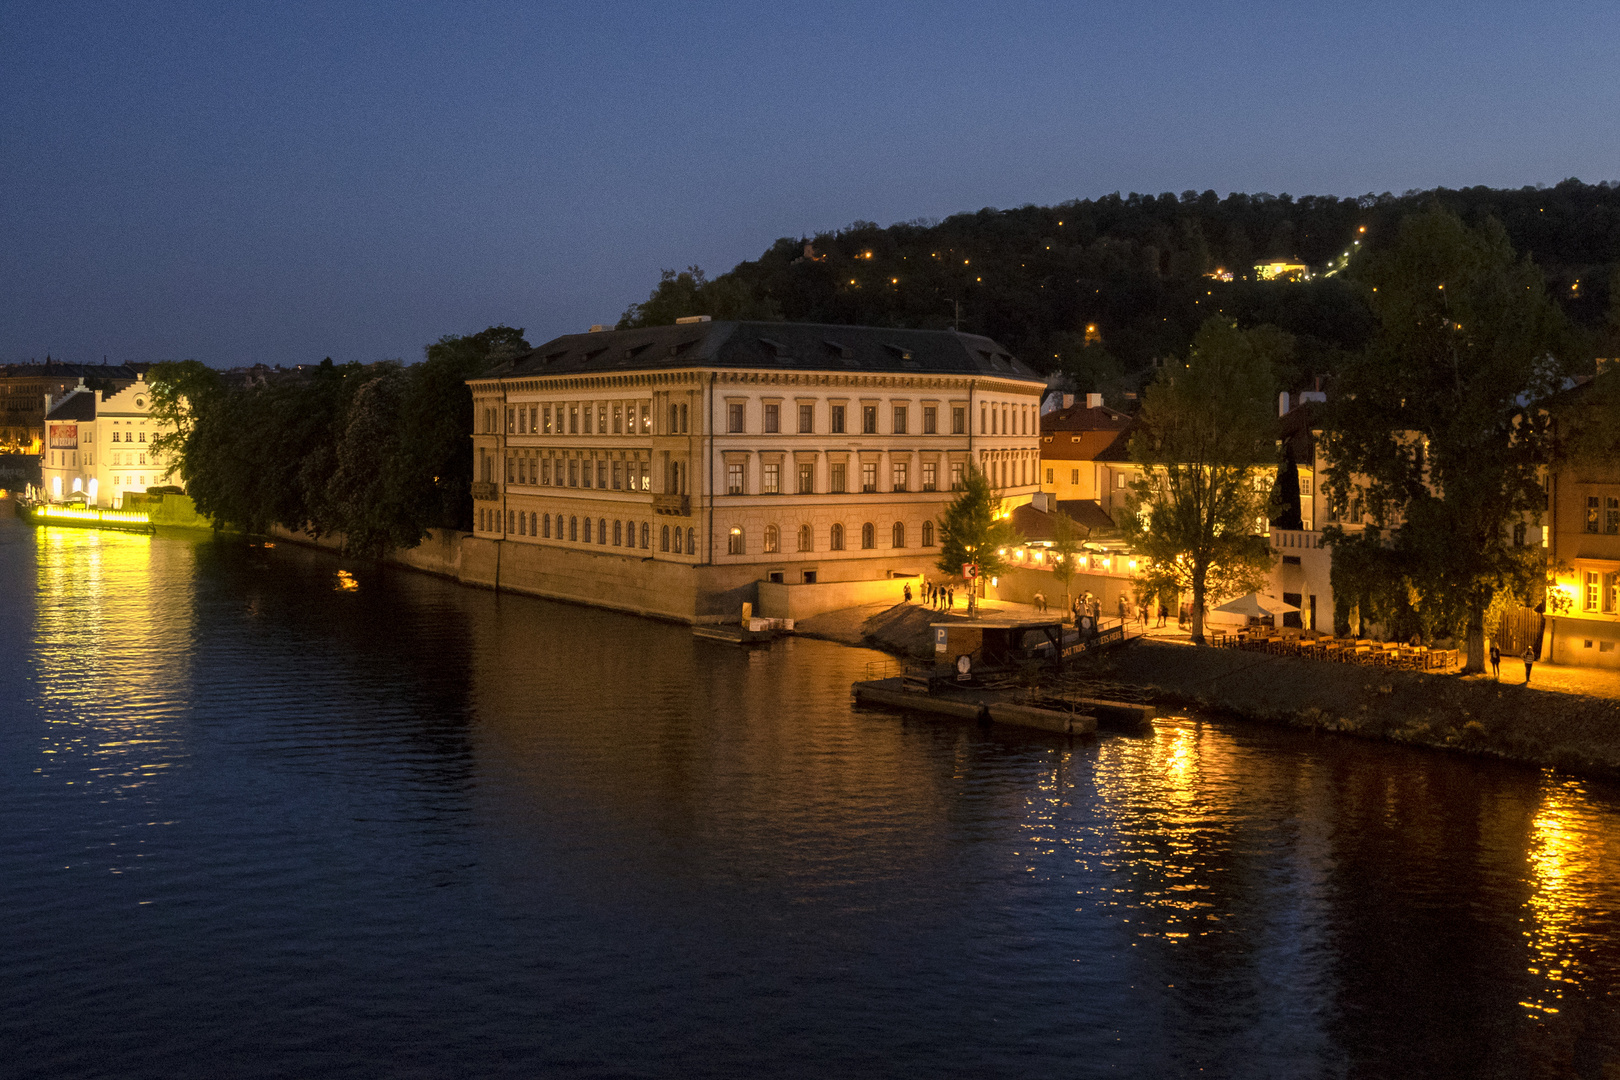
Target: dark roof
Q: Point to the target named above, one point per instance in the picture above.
(55, 369)
(792, 346)
(1036, 524)
(77, 405)
(1079, 418)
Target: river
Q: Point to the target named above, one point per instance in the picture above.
(265, 819)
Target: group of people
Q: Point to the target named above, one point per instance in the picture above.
(938, 597)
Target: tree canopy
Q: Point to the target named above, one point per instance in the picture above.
(1206, 432)
(973, 531)
(1440, 426)
(376, 454)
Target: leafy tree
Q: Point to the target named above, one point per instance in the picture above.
(1206, 431)
(972, 531)
(689, 292)
(1065, 549)
(1438, 427)
(175, 387)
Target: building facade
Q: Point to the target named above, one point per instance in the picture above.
(97, 446)
(25, 389)
(741, 452)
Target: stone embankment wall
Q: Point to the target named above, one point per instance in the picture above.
(653, 587)
(1569, 731)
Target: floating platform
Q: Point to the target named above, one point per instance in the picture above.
(89, 517)
(994, 706)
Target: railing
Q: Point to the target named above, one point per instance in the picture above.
(1295, 539)
(483, 490)
(672, 504)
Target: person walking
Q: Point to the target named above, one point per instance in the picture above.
(1164, 613)
(908, 592)
(950, 598)
(1496, 662)
(1529, 659)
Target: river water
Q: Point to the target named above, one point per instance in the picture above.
(261, 819)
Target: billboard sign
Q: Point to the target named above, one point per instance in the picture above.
(64, 436)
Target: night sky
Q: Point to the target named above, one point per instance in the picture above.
(281, 182)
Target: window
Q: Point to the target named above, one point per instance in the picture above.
(807, 419)
(806, 538)
(618, 420)
(587, 473)
(1518, 534)
(511, 420)
(573, 419)
(772, 479)
(1593, 505)
(899, 532)
(587, 530)
(646, 418)
(868, 536)
(601, 474)
(573, 528)
(837, 540)
(984, 423)
(958, 420)
(1074, 476)
(601, 417)
(734, 541)
(734, 478)
(772, 539)
(898, 476)
(900, 414)
(930, 479)
(545, 419)
(115, 436)
(674, 418)
(1119, 481)
(1591, 603)
(645, 537)
(601, 530)
(838, 483)
(1049, 476)
(512, 478)
(691, 541)
(869, 476)
(928, 534)
(838, 419)
(618, 534)
(930, 420)
(523, 421)
(957, 473)
(663, 541)
(545, 525)
(618, 475)
(734, 417)
(523, 522)
(677, 541)
(1611, 515)
(510, 527)
(589, 414)
(1305, 488)
(868, 419)
(773, 419)
(807, 478)
(1611, 593)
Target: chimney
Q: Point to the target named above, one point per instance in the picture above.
(1068, 401)
(1094, 401)
(1282, 403)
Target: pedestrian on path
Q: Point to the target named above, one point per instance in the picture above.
(1164, 613)
(950, 598)
(908, 592)
(1529, 659)
(1496, 662)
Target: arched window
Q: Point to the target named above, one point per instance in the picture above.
(573, 528)
(899, 534)
(806, 538)
(868, 536)
(545, 524)
(511, 526)
(644, 535)
(618, 534)
(928, 534)
(664, 540)
(734, 541)
(772, 538)
(691, 541)
(677, 541)
(534, 524)
(523, 524)
(837, 543)
(587, 530)
(601, 530)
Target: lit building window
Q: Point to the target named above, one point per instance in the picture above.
(868, 536)
(837, 541)
(734, 479)
(771, 540)
(772, 484)
(928, 534)
(806, 538)
(899, 532)
(930, 476)
(734, 542)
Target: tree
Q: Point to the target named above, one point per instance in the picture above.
(1065, 547)
(973, 531)
(1439, 425)
(689, 292)
(1206, 430)
(178, 388)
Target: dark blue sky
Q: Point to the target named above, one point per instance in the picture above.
(282, 182)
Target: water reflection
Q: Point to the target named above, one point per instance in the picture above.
(503, 835)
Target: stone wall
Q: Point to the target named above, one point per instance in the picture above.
(778, 601)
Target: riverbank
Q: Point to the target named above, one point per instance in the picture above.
(1542, 726)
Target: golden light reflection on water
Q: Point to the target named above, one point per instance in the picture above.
(1569, 861)
(110, 654)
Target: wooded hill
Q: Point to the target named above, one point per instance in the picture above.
(1137, 268)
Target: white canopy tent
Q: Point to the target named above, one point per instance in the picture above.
(1252, 606)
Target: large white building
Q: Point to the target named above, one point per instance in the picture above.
(98, 445)
(672, 469)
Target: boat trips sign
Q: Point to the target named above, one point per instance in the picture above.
(64, 436)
